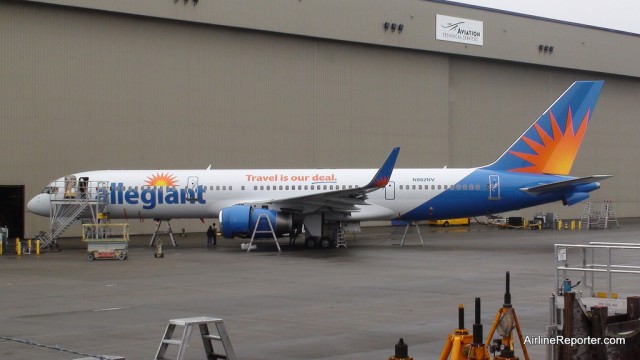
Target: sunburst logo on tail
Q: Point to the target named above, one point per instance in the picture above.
(161, 179)
(558, 150)
(381, 182)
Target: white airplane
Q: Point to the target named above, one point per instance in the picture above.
(533, 171)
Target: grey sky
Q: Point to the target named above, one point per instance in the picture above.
(613, 14)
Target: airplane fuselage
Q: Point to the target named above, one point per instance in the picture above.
(411, 194)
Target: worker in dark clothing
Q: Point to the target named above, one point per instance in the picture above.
(215, 235)
(210, 236)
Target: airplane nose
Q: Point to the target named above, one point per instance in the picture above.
(38, 205)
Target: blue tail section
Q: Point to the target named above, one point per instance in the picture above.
(551, 144)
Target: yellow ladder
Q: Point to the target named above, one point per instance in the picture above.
(207, 338)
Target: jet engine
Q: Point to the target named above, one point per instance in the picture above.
(240, 221)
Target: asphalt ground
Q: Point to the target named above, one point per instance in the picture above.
(352, 303)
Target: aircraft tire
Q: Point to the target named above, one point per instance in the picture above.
(446, 224)
(90, 256)
(325, 242)
(310, 242)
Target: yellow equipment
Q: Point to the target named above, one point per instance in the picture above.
(505, 321)
(458, 342)
(462, 345)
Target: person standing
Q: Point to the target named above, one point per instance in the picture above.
(210, 236)
(215, 234)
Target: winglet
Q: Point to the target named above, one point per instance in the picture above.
(382, 177)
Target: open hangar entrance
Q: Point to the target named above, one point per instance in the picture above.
(12, 209)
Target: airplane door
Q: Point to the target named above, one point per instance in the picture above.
(390, 191)
(494, 187)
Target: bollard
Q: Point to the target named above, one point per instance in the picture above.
(18, 247)
(0, 247)
(37, 247)
(29, 247)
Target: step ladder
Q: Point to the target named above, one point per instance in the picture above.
(207, 338)
(607, 215)
(585, 220)
(340, 240)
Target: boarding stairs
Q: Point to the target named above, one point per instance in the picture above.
(70, 202)
(183, 343)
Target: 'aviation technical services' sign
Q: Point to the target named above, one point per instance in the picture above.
(459, 30)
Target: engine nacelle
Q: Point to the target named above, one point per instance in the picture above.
(240, 220)
(574, 198)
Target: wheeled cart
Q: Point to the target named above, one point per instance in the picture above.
(106, 241)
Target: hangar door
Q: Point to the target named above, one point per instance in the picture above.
(12, 209)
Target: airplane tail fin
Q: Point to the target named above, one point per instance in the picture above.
(551, 143)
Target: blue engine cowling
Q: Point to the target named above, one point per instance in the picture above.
(240, 220)
(574, 198)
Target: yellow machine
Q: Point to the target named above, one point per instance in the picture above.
(449, 222)
(461, 345)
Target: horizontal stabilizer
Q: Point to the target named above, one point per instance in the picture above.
(565, 184)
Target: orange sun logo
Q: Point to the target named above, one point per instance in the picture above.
(161, 180)
(557, 152)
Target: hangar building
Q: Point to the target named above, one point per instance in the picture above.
(90, 84)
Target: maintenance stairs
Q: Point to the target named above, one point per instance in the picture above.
(70, 202)
(207, 338)
(592, 219)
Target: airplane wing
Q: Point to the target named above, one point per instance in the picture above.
(565, 184)
(338, 200)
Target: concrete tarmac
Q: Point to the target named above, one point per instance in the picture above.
(352, 303)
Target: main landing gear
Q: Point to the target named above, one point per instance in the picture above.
(313, 242)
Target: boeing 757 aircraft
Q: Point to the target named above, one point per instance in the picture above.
(532, 171)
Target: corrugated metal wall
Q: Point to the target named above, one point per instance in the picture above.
(88, 90)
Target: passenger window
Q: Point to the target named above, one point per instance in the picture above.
(242, 187)
(224, 187)
(231, 188)
(401, 187)
(464, 187)
(413, 187)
